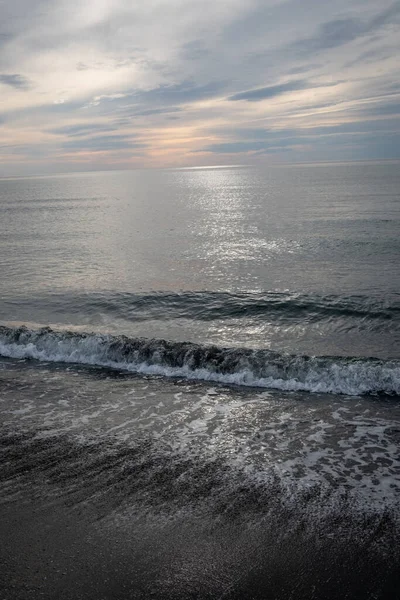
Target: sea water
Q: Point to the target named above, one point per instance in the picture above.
(213, 352)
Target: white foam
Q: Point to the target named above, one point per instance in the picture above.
(287, 373)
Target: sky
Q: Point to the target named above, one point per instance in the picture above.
(122, 84)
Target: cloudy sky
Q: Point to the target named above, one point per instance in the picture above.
(93, 84)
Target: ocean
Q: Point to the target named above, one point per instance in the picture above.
(200, 383)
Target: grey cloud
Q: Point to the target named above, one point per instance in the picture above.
(120, 110)
(159, 100)
(102, 143)
(371, 56)
(380, 110)
(391, 88)
(304, 69)
(339, 32)
(156, 111)
(255, 134)
(260, 137)
(20, 16)
(270, 91)
(388, 142)
(193, 50)
(82, 129)
(386, 17)
(380, 144)
(377, 107)
(28, 150)
(232, 147)
(277, 90)
(330, 35)
(253, 146)
(253, 23)
(275, 150)
(384, 147)
(10, 146)
(13, 150)
(44, 110)
(87, 129)
(15, 80)
(4, 38)
(336, 33)
(110, 63)
(264, 140)
(181, 93)
(364, 127)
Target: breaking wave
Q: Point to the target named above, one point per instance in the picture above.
(239, 366)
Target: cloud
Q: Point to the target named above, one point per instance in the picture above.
(277, 90)
(169, 101)
(370, 56)
(83, 129)
(47, 112)
(304, 68)
(374, 143)
(333, 34)
(147, 112)
(363, 127)
(15, 80)
(270, 91)
(193, 50)
(244, 147)
(102, 143)
(380, 109)
(166, 80)
(370, 133)
(390, 16)
(341, 31)
(164, 95)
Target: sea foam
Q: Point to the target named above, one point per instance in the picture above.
(239, 366)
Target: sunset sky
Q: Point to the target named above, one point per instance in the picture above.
(115, 84)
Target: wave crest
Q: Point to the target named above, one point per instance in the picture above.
(239, 366)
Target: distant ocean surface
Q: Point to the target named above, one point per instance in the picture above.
(214, 347)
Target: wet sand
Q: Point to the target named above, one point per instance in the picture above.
(76, 545)
(113, 487)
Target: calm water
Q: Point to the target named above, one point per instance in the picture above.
(213, 352)
(290, 259)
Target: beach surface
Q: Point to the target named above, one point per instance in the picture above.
(119, 486)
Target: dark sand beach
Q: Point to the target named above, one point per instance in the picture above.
(106, 492)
